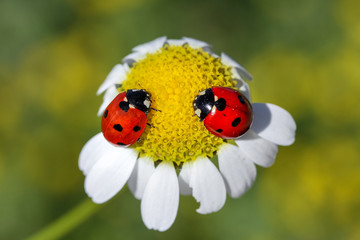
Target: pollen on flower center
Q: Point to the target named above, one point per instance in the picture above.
(173, 76)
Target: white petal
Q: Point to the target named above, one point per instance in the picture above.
(273, 123)
(134, 57)
(184, 187)
(195, 43)
(257, 149)
(225, 59)
(116, 76)
(150, 47)
(214, 55)
(184, 180)
(208, 185)
(160, 201)
(126, 68)
(176, 42)
(238, 171)
(143, 170)
(110, 173)
(208, 50)
(244, 88)
(93, 150)
(109, 95)
(235, 74)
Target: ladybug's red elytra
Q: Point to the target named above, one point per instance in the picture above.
(125, 118)
(226, 112)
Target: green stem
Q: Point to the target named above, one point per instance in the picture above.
(67, 222)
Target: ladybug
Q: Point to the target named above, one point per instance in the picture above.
(125, 118)
(226, 112)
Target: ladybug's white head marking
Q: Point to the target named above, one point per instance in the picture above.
(198, 112)
(139, 99)
(147, 103)
(201, 93)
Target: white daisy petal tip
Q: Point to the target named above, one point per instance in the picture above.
(110, 173)
(259, 150)
(133, 57)
(160, 200)
(273, 123)
(152, 46)
(96, 148)
(194, 43)
(240, 70)
(116, 76)
(239, 172)
(176, 42)
(92, 152)
(207, 184)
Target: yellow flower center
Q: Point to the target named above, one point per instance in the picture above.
(173, 76)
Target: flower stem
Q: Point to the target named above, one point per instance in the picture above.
(67, 222)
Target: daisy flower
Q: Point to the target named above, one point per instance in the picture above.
(178, 155)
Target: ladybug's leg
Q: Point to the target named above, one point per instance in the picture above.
(157, 110)
(150, 125)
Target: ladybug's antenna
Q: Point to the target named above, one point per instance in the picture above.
(157, 110)
(141, 86)
(152, 126)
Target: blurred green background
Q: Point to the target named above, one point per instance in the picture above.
(303, 55)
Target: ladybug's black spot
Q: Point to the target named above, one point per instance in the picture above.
(220, 104)
(124, 106)
(106, 113)
(241, 99)
(118, 127)
(236, 122)
(121, 144)
(136, 128)
(219, 130)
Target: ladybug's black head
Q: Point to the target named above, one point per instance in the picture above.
(203, 103)
(139, 99)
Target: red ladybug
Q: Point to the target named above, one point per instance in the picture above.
(226, 112)
(125, 119)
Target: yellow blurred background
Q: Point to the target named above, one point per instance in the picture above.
(303, 55)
